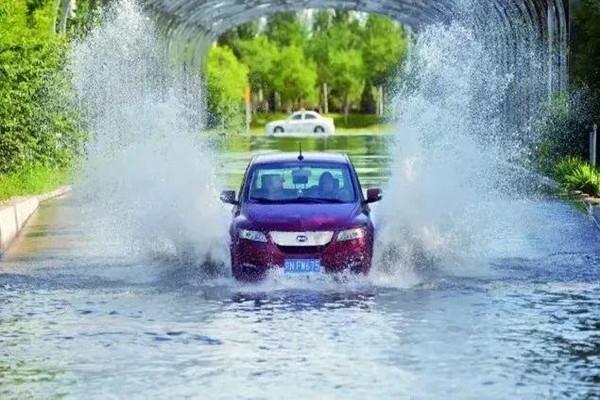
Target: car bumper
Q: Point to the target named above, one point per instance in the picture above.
(253, 260)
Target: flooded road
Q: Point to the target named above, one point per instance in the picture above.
(80, 324)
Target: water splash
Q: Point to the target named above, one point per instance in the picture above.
(453, 158)
(148, 183)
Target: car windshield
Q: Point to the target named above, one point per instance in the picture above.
(301, 182)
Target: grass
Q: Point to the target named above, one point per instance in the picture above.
(577, 175)
(32, 181)
(357, 123)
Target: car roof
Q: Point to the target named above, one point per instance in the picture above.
(339, 158)
(305, 112)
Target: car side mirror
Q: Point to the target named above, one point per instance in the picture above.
(374, 195)
(228, 197)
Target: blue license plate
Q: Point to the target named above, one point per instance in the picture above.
(302, 266)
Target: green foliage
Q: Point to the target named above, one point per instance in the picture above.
(38, 124)
(346, 51)
(347, 70)
(564, 127)
(585, 179)
(226, 82)
(294, 77)
(356, 121)
(234, 37)
(384, 48)
(568, 117)
(575, 174)
(33, 180)
(87, 16)
(343, 62)
(285, 29)
(566, 166)
(586, 52)
(261, 56)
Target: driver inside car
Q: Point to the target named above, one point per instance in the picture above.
(272, 185)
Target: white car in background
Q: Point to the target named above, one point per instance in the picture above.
(302, 122)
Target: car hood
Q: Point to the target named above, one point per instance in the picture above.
(300, 217)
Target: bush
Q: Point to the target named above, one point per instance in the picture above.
(39, 124)
(32, 181)
(564, 126)
(575, 174)
(566, 167)
(226, 81)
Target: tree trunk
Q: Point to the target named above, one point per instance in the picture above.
(261, 100)
(277, 102)
(325, 98)
(380, 101)
(64, 11)
(346, 108)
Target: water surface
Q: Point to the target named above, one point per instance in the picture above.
(75, 324)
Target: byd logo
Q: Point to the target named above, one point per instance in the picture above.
(301, 238)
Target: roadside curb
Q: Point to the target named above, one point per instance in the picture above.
(594, 213)
(15, 213)
(592, 205)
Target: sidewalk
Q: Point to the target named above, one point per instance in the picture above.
(15, 213)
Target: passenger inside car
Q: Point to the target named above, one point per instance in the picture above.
(301, 183)
(328, 186)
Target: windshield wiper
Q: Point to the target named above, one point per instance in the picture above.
(315, 200)
(318, 200)
(269, 201)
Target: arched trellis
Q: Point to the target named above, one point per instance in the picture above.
(520, 26)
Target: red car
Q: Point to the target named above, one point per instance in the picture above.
(303, 214)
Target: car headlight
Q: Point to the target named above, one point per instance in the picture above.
(254, 236)
(351, 234)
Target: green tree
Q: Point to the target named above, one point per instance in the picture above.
(260, 55)
(294, 77)
(318, 50)
(86, 16)
(586, 51)
(38, 124)
(340, 56)
(322, 21)
(226, 82)
(285, 29)
(242, 33)
(345, 67)
(334, 33)
(347, 71)
(383, 52)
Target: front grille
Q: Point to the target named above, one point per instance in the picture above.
(301, 249)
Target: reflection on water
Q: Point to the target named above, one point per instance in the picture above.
(367, 151)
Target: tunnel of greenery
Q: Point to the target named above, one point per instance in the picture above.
(334, 61)
(325, 59)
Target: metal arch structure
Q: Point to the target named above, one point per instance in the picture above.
(519, 26)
